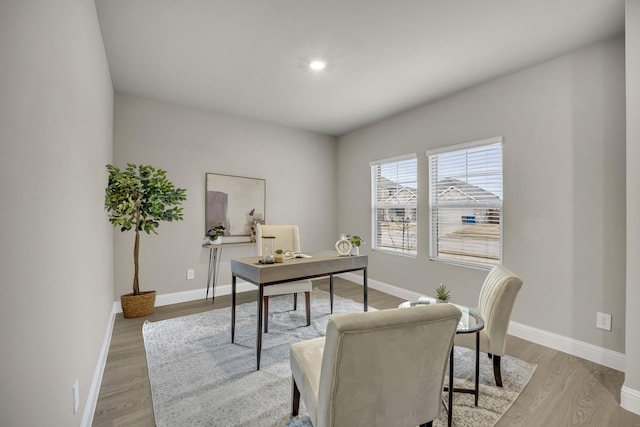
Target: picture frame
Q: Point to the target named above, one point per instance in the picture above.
(237, 202)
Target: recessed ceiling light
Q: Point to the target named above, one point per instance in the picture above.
(317, 65)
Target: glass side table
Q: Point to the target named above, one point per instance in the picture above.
(470, 322)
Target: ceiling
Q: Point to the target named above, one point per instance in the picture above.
(250, 57)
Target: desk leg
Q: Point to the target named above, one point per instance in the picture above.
(331, 291)
(450, 412)
(364, 282)
(233, 307)
(259, 332)
(477, 365)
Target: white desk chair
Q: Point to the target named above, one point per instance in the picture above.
(287, 238)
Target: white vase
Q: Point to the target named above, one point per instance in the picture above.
(355, 250)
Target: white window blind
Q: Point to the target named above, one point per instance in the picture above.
(394, 202)
(465, 203)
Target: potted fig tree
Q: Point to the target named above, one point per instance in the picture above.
(138, 198)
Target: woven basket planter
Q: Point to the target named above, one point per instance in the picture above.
(138, 305)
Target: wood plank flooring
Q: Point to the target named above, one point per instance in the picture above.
(564, 390)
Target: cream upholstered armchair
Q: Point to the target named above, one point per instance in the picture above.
(380, 368)
(287, 238)
(497, 296)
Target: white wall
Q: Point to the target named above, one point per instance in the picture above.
(299, 168)
(56, 274)
(630, 397)
(564, 170)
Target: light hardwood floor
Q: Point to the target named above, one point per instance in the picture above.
(564, 390)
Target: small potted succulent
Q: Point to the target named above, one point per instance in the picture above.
(355, 241)
(442, 293)
(279, 257)
(215, 233)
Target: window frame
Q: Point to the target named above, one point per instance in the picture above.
(434, 254)
(375, 241)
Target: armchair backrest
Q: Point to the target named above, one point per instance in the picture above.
(386, 367)
(287, 236)
(497, 297)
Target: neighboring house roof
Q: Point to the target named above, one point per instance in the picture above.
(455, 190)
(390, 192)
(448, 189)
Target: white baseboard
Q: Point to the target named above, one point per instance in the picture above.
(600, 355)
(630, 399)
(94, 389)
(383, 287)
(164, 299)
(195, 294)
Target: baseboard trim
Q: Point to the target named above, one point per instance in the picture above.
(194, 294)
(630, 399)
(599, 355)
(382, 286)
(602, 356)
(96, 382)
(164, 299)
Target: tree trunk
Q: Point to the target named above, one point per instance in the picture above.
(136, 250)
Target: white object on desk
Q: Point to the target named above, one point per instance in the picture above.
(343, 246)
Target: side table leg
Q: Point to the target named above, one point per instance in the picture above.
(477, 365)
(210, 272)
(217, 254)
(450, 413)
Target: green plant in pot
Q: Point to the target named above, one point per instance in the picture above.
(355, 241)
(138, 198)
(442, 293)
(216, 232)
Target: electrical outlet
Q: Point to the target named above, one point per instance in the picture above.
(603, 321)
(191, 274)
(76, 396)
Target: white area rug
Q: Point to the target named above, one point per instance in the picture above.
(198, 378)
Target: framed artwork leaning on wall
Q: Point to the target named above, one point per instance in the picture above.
(236, 202)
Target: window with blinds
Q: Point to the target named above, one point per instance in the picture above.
(394, 203)
(465, 203)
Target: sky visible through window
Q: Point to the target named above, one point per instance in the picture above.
(402, 172)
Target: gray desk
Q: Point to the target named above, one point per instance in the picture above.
(320, 264)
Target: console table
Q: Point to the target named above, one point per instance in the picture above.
(319, 264)
(215, 253)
